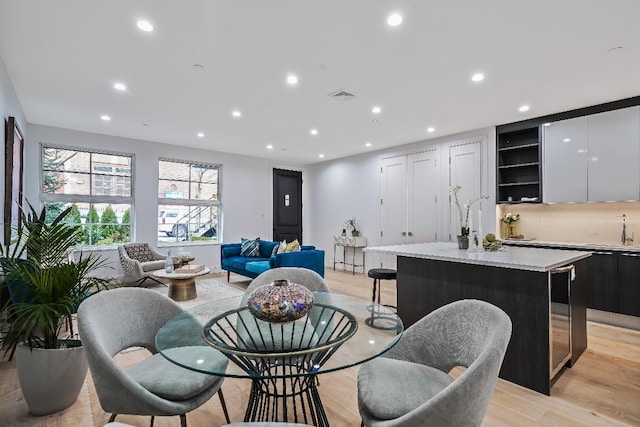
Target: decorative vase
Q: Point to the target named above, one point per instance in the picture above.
(463, 242)
(280, 301)
(511, 231)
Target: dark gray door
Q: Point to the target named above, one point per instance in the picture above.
(287, 205)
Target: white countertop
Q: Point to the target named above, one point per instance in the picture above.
(596, 247)
(533, 259)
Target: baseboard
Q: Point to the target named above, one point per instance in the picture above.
(614, 319)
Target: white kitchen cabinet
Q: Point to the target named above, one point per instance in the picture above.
(593, 158)
(614, 155)
(564, 177)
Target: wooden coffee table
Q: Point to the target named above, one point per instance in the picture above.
(182, 286)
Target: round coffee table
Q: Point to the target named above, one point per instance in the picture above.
(182, 286)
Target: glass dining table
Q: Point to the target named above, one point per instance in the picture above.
(282, 360)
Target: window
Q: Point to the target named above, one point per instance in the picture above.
(97, 187)
(188, 201)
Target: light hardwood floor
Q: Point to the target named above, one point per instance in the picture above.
(602, 389)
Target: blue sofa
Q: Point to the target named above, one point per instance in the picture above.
(231, 260)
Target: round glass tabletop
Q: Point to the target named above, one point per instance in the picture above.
(195, 338)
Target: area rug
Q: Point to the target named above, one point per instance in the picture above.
(207, 289)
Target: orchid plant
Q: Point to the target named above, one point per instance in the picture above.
(464, 214)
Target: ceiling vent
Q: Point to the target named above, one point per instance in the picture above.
(342, 95)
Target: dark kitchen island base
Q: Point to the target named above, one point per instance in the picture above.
(425, 285)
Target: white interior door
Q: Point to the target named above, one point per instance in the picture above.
(423, 181)
(465, 171)
(393, 205)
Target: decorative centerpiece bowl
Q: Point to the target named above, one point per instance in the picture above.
(280, 301)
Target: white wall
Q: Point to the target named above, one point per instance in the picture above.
(350, 186)
(9, 106)
(245, 185)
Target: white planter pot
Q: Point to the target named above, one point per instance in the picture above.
(50, 379)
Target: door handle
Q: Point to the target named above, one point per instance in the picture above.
(633, 255)
(404, 233)
(410, 234)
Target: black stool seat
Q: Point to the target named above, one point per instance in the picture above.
(378, 274)
(382, 274)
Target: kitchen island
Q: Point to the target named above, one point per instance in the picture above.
(521, 281)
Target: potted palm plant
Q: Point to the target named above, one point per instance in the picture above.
(46, 286)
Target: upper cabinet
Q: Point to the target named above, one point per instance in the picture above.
(614, 155)
(593, 158)
(518, 176)
(565, 160)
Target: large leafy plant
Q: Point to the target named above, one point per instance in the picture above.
(47, 285)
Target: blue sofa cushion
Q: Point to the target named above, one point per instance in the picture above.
(250, 248)
(240, 262)
(230, 250)
(258, 266)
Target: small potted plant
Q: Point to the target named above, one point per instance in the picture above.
(463, 237)
(46, 287)
(351, 224)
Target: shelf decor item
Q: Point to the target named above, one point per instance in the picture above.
(280, 301)
(351, 224)
(510, 218)
(465, 228)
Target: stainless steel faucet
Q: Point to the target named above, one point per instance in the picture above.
(625, 239)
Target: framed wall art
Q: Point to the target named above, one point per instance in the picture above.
(13, 158)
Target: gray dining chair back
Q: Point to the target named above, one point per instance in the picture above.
(303, 276)
(412, 386)
(115, 320)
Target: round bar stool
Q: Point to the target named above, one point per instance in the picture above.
(378, 274)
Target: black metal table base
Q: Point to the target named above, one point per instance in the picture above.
(286, 399)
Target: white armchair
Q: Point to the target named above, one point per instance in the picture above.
(138, 261)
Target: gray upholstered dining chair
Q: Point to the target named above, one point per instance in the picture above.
(303, 276)
(115, 320)
(411, 385)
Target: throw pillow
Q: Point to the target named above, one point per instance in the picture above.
(293, 246)
(250, 248)
(282, 247)
(276, 249)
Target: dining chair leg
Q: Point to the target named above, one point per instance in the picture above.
(224, 406)
(183, 420)
(112, 417)
(152, 420)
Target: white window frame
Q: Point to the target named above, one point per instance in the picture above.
(165, 201)
(91, 199)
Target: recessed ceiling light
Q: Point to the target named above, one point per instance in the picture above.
(292, 79)
(368, 144)
(313, 132)
(321, 155)
(105, 117)
(477, 77)
(523, 108)
(431, 130)
(145, 25)
(120, 86)
(376, 110)
(394, 20)
(546, 124)
(200, 135)
(236, 113)
(270, 147)
(566, 140)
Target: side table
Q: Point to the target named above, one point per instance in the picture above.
(349, 242)
(182, 286)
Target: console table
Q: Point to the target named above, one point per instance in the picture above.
(349, 242)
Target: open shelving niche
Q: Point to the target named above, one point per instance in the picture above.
(519, 166)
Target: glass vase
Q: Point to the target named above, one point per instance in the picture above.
(463, 242)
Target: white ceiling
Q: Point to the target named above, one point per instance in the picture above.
(63, 57)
